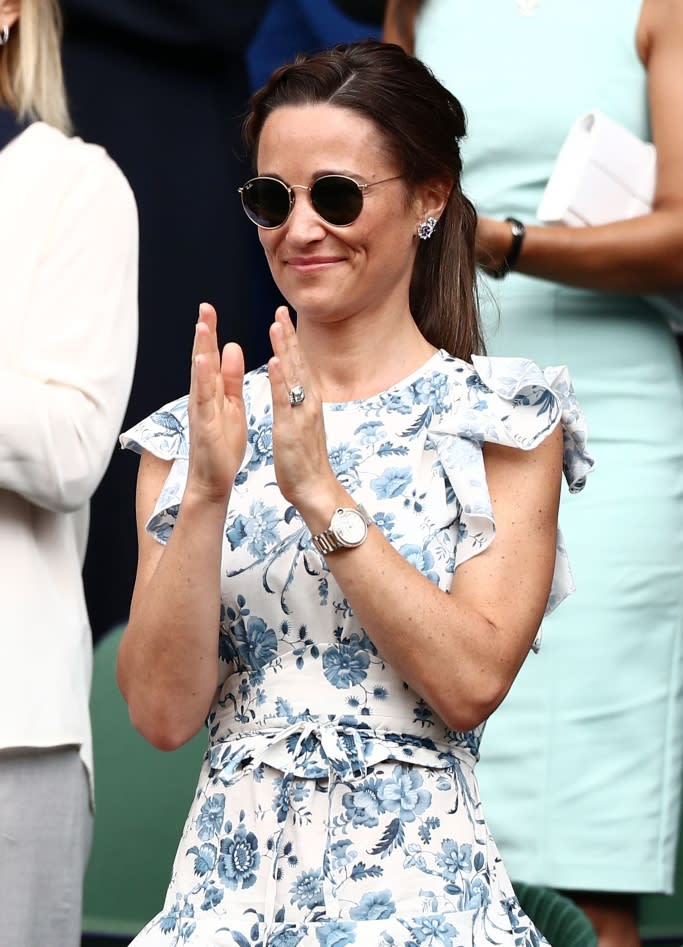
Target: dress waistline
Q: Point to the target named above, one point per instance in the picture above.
(315, 749)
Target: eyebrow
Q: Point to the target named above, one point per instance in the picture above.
(319, 174)
(343, 171)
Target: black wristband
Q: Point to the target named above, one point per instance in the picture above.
(511, 257)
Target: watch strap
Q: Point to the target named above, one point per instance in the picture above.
(518, 233)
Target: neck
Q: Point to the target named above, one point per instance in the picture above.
(354, 359)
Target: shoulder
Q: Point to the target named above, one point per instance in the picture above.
(69, 166)
(56, 149)
(164, 433)
(508, 388)
(513, 402)
(660, 21)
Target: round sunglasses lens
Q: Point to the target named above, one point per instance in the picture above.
(266, 202)
(338, 200)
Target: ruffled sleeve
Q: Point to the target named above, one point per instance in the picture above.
(513, 402)
(165, 434)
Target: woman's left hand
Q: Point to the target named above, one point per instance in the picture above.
(302, 467)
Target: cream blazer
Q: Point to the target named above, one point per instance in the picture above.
(68, 337)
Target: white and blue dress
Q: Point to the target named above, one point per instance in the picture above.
(334, 807)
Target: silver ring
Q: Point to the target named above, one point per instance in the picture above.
(296, 395)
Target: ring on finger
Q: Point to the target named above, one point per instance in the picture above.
(296, 395)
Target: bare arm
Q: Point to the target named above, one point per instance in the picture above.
(168, 659)
(642, 255)
(167, 666)
(458, 651)
(461, 651)
(399, 23)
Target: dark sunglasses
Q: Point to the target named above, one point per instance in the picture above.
(338, 199)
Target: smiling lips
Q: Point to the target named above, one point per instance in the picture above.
(310, 264)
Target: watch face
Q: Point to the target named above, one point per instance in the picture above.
(517, 228)
(349, 526)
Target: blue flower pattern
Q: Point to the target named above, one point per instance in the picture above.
(334, 807)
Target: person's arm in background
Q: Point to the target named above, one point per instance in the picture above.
(61, 409)
(399, 23)
(640, 255)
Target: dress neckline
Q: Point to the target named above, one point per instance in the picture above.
(402, 383)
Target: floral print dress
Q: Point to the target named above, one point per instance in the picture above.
(333, 806)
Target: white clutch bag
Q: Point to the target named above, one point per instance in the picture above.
(603, 173)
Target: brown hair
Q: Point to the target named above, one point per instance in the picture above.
(421, 123)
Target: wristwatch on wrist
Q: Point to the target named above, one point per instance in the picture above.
(348, 528)
(518, 232)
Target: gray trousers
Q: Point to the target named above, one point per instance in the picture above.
(45, 836)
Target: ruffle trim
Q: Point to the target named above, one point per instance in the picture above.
(165, 433)
(551, 392)
(513, 402)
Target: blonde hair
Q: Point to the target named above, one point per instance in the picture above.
(31, 78)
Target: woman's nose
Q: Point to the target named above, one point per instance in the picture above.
(304, 222)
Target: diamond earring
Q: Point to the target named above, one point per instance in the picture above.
(426, 228)
(4, 34)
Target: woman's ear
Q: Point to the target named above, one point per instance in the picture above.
(431, 198)
(9, 12)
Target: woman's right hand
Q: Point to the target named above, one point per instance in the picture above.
(218, 425)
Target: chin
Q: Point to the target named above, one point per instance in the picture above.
(315, 306)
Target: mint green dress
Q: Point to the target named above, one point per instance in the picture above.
(581, 766)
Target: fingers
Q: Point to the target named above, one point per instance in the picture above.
(287, 367)
(214, 375)
(278, 385)
(284, 342)
(208, 318)
(205, 361)
(203, 388)
(205, 333)
(299, 443)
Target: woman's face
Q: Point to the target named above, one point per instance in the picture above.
(329, 273)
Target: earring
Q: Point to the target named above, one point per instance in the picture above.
(4, 34)
(426, 228)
